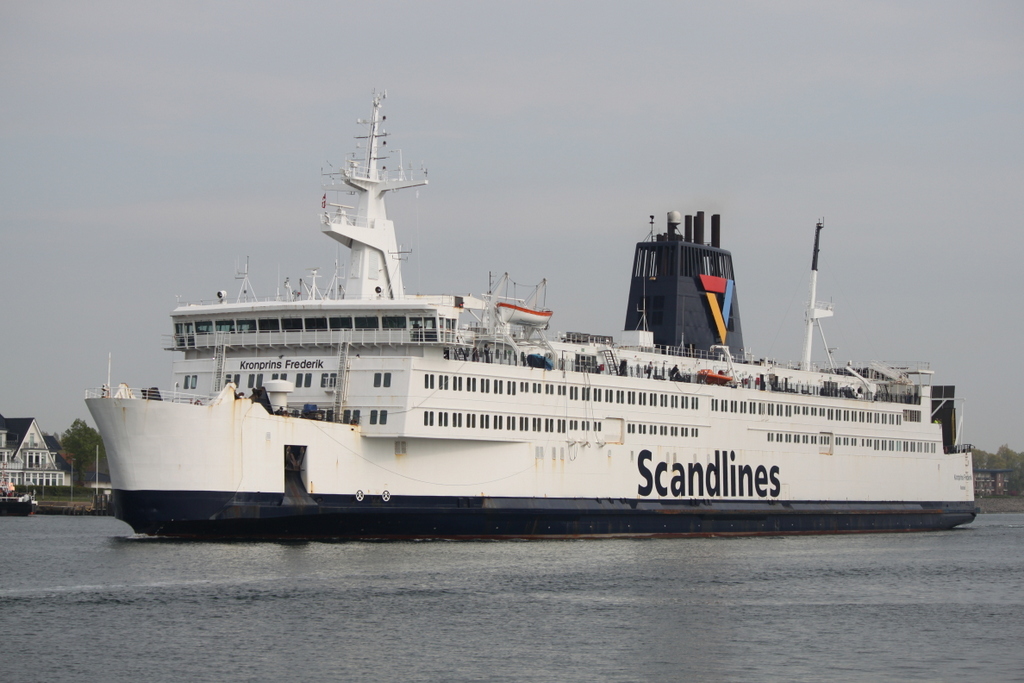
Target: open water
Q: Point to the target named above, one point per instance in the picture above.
(81, 599)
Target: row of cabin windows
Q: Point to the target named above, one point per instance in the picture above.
(484, 385)
(344, 322)
(596, 394)
(352, 417)
(823, 439)
(661, 430)
(875, 444)
(302, 379)
(789, 410)
(644, 398)
(513, 423)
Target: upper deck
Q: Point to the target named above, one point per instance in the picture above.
(317, 322)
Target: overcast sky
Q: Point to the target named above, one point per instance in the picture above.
(146, 148)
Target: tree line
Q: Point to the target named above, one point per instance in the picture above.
(1003, 459)
(79, 444)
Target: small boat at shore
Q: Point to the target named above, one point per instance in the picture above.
(13, 504)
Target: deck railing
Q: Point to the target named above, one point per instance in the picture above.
(149, 393)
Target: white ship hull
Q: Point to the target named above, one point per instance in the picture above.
(219, 469)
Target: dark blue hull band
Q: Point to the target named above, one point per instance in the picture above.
(213, 514)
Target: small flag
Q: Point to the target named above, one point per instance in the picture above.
(323, 204)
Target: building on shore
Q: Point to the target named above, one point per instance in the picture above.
(991, 482)
(97, 480)
(28, 457)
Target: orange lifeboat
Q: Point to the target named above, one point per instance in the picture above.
(711, 377)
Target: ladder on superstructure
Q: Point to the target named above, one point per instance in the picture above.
(218, 361)
(339, 384)
(611, 363)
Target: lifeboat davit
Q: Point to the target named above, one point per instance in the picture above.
(520, 315)
(712, 377)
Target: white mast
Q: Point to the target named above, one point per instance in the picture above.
(815, 310)
(374, 263)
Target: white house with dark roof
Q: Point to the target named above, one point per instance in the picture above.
(27, 456)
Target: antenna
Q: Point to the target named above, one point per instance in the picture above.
(311, 291)
(365, 228)
(815, 310)
(246, 288)
(401, 254)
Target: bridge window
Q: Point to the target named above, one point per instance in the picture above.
(269, 324)
(204, 326)
(342, 323)
(393, 322)
(291, 323)
(366, 322)
(316, 323)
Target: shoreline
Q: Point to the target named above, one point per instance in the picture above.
(1000, 504)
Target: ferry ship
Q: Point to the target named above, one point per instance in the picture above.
(359, 411)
